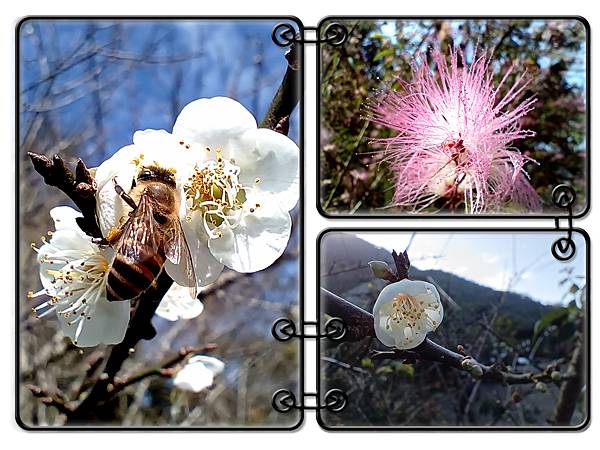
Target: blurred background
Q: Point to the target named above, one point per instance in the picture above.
(85, 86)
(379, 52)
(506, 301)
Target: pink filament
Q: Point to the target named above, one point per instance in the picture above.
(455, 134)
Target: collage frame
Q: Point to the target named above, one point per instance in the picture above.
(333, 219)
(581, 427)
(425, 216)
(301, 218)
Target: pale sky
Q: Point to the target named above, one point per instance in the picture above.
(490, 258)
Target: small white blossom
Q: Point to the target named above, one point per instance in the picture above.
(236, 182)
(73, 271)
(179, 304)
(405, 312)
(199, 373)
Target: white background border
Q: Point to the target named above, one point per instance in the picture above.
(309, 436)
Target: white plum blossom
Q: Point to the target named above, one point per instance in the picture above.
(236, 182)
(179, 304)
(199, 373)
(73, 271)
(405, 312)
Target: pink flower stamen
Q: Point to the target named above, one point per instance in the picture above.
(455, 135)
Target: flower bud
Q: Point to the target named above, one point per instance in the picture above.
(555, 375)
(381, 270)
(541, 387)
(476, 371)
(472, 367)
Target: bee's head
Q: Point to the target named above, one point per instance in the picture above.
(155, 173)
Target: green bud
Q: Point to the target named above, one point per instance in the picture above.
(476, 371)
(380, 269)
(472, 367)
(541, 387)
(555, 375)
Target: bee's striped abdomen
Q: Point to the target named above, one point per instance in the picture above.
(128, 280)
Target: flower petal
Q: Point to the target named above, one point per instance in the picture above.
(194, 378)
(409, 338)
(199, 373)
(217, 123)
(273, 166)
(65, 218)
(207, 268)
(179, 304)
(110, 208)
(215, 365)
(259, 239)
(107, 325)
(161, 148)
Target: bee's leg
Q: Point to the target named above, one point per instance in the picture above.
(121, 192)
(101, 241)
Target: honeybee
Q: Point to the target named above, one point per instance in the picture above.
(151, 235)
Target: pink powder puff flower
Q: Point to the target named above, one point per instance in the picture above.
(454, 139)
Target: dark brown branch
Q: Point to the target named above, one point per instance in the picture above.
(287, 96)
(78, 186)
(140, 327)
(359, 325)
(570, 389)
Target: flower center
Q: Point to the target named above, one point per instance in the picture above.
(214, 190)
(407, 310)
(452, 177)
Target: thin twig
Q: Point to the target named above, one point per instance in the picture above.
(163, 369)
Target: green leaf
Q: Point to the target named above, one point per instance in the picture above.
(367, 362)
(384, 370)
(403, 369)
(389, 51)
(550, 318)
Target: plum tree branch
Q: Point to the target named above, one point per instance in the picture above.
(287, 96)
(78, 186)
(360, 325)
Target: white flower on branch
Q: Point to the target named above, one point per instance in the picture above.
(199, 373)
(237, 184)
(73, 271)
(405, 312)
(179, 304)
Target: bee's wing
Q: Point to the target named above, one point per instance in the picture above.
(139, 235)
(178, 252)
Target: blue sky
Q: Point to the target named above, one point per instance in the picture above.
(233, 58)
(491, 258)
(414, 29)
